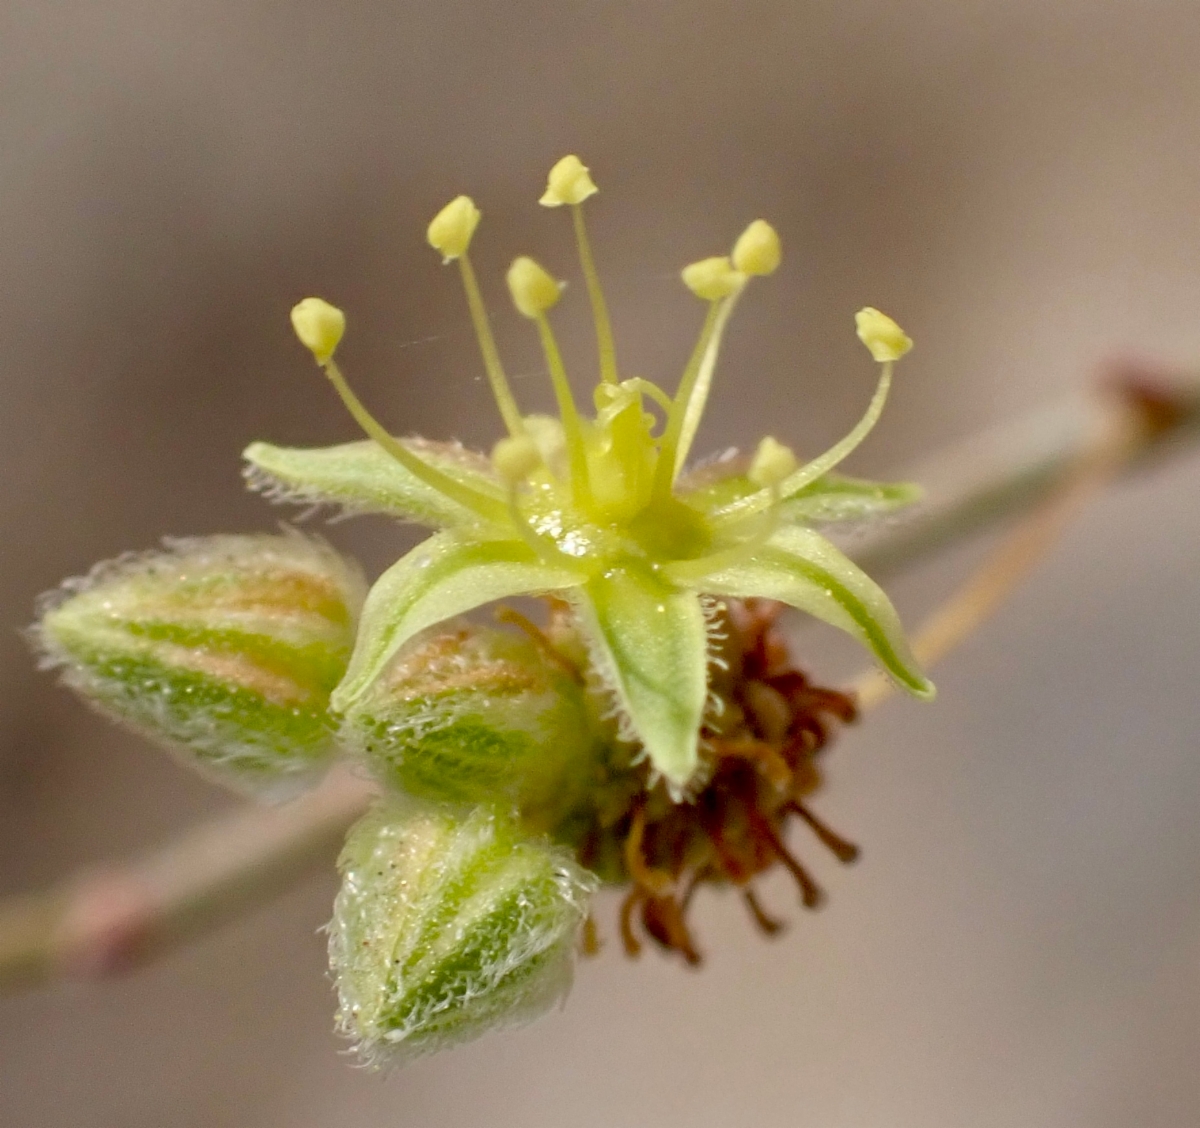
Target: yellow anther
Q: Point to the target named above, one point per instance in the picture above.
(533, 290)
(757, 250)
(451, 229)
(515, 458)
(712, 278)
(569, 183)
(319, 326)
(882, 336)
(771, 464)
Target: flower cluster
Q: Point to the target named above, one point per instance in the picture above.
(651, 732)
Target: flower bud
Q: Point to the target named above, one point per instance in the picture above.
(224, 647)
(712, 278)
(757, 250)
(445, 928)
(451, 229)
(569, 182)
(319, 326)
(478, 715)
(533, 290)
(883, 337)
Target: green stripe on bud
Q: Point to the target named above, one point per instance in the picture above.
(224, 647)
(478, 715)
(445, 928)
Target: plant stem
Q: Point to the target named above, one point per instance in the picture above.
(99, 923)
(104, 921)
(976, 484)
(1019, 552)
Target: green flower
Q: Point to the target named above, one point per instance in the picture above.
(599, 510)
(444, 929)
(474, 714)
(224, 648)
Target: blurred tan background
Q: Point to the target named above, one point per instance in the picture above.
(1018, 182)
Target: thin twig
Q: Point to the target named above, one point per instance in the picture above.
(1122, 437)
(95, 924)
(107, 920)
(974, 485)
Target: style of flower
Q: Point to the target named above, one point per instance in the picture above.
(601, 511)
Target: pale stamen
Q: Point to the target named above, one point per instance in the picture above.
(572, 425)
(688, 405)
(604, 334)
(821, 466)
(490, 508)
(487, 347)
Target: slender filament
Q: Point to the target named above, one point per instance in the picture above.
(487, 346)
(572, 426)
(491, 508)
(703, 380)
(819, 467)
(604, 334)
(668, 455)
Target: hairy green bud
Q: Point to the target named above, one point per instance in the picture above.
(478, 715)
(445, 928)
(224, 647)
